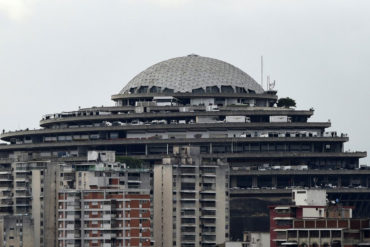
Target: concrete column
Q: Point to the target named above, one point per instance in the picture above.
(234, 182)
(254, 181)
(167, 149)
(274, 181)
(146, 149)
(210, 148)
(339, 181)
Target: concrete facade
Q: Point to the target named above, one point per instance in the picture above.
(17, 231)
(191, 209)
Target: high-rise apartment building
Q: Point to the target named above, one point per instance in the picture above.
(108, 205)
(191, 200)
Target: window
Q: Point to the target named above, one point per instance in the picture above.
(303, 234)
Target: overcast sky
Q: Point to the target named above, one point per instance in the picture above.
(59, 55)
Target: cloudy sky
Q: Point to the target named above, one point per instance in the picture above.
(58, 55)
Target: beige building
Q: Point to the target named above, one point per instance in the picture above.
(190, 200)
(16, 231)
(34, 188)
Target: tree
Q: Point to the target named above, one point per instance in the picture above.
(286, 102)
(130, 162)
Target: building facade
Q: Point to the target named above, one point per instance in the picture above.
(108, 205)
(17, 231)
(314, 222)
(190, 200)
(211, 105)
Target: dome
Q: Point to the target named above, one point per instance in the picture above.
(192, 73)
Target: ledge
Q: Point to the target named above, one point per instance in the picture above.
(179, 142)
(288, 192)
(158, 115)
(168, 127)
(241, 172)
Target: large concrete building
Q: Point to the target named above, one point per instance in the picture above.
(212, 105)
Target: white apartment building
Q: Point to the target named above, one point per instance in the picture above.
(190, 200)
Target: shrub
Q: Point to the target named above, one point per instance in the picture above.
(130, 162)
(286, 102)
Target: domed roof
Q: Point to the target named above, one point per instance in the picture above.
(189, 73)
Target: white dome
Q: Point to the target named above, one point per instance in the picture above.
(184, 74)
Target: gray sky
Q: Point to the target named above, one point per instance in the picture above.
(58, 55)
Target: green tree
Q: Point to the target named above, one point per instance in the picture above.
(130, 162)
(286, 102)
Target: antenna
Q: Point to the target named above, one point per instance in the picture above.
(262, 71)
(268, 83)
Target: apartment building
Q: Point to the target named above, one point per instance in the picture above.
(314, 221)
(190, 200)
(17, 231)
(109, 205)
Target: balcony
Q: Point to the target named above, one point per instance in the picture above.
(188, 180)
(73, 208)
(208, 175)
(208, 180)
(107, 216)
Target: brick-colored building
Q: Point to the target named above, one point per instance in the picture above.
(106, 210)
(316, 225)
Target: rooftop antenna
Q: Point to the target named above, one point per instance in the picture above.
(272, 85)
(262, 71)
